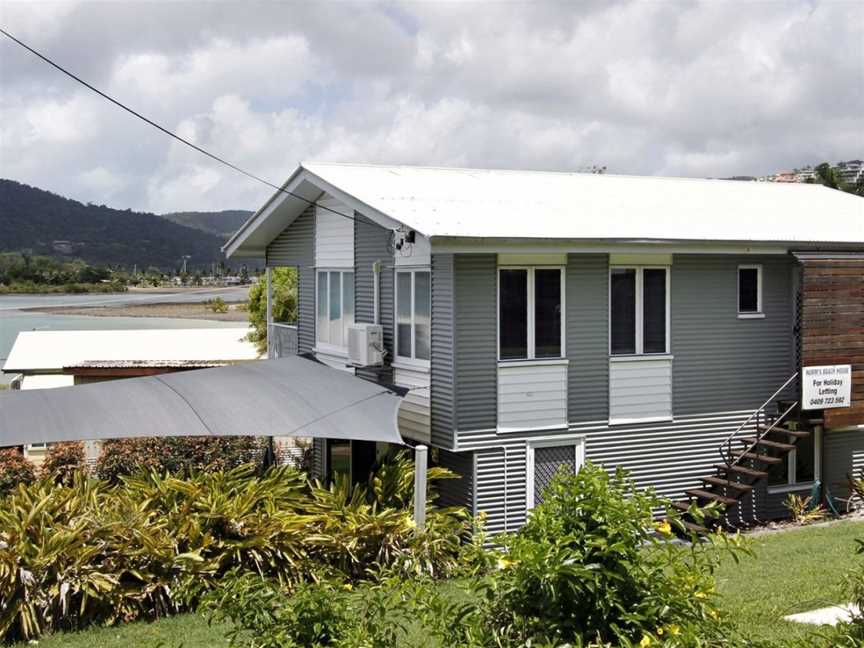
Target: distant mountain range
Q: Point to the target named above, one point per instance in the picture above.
(221, 223)
(45, 223)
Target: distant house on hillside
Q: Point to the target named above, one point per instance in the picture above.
(674, 327)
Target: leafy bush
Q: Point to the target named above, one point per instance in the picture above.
(176, 455)
(216, 305)
(63, 460)
(590, 568)
(802, 510)
(152, 545)
(591, 565)
(14, 470)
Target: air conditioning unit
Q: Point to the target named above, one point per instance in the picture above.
(365, 345)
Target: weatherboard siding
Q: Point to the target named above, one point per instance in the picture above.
(334, 235)
(587, 336)
(370, 246)
(721, 362)
(442, 360)
(842, 456)
(456, 492)
(475, 341)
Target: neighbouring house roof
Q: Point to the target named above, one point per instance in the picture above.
(483, 204)
(44, 351)
(292, 396)
(144, 364)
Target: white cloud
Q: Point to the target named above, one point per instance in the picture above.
(697, 89)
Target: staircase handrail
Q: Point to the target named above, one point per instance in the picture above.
(728, 442)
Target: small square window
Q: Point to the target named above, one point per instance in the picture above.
(749, 289)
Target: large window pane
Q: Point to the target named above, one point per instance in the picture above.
(403, 314)
(547, 313)
(513, 314)
(323, 321)
(422, 315)
(748, 290)
(336, 308)
(654, 311)
(623, 310)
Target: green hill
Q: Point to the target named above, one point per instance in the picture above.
(48, 224)
(221, 223)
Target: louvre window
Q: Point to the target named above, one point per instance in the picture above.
(638, 311)
(529, 313)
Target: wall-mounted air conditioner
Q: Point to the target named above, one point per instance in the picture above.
(365, 345)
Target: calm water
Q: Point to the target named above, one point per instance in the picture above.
(14, 320)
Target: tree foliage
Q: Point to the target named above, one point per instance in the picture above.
(284, 282)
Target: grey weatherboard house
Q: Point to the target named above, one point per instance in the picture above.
(544, 319)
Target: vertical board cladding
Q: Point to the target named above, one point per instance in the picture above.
(842, 457)
(442, 370)
(587, 286)
(370, 246)
(721, 362)
(334, 234)
(295, 246)
(475, 288)
(832, 325)
(457, 492)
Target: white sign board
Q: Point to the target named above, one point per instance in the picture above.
(826, 387)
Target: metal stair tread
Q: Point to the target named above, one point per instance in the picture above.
(742, 470)
(799, 434)
(768, 443)
(757, 457)
(703, 494)
(727, 483)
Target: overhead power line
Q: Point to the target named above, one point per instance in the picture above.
(158, 126)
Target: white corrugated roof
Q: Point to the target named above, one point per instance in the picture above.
(535, 204)
(53, 350)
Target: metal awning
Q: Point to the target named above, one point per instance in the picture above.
(292, 396)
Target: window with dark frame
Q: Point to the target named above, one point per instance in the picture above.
(749, 289)
(638, 311)
(529, 313)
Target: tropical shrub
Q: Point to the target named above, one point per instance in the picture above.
(802, 509)
(63, 460)
(152, 545)
(592, 565)
(284, 284)
(14, 470)
(179, 456)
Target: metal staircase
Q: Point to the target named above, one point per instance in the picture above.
(747, 454)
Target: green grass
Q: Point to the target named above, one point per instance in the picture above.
(792, 571)
(186, 630)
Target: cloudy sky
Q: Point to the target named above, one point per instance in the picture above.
(666, 88)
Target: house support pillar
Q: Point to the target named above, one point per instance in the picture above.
(421, 462)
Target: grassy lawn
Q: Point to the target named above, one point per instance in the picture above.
(186, 630)
(792, 571)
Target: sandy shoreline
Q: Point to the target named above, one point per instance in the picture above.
(168, 309)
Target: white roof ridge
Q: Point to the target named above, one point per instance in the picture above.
(310, 164)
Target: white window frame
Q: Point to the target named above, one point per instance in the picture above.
(792, 483)
(410, 360)
(549, 442)
(327, 346)
(640, 315)
(758, 313)
(531, 350)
